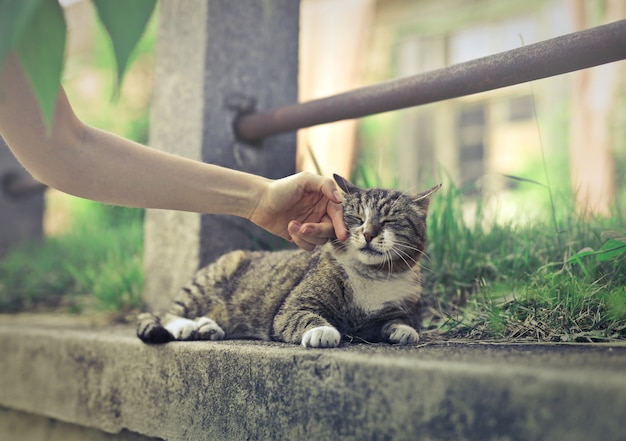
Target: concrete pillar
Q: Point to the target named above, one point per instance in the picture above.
(21, 203)
(214, 58)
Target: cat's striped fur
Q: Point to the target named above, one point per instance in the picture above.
(367, 287)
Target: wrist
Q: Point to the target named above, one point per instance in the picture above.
(255, 198)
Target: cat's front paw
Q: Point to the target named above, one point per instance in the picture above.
(150, 329)
(402, 334)
(209, 330)
(181, 328)
(321, 337)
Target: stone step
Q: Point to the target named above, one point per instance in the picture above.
(106, 379)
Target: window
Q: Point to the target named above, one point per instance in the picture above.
(470, 128)
(521, 108)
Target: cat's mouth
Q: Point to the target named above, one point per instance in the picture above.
(367, 249)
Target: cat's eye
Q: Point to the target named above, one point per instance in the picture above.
(354, 219)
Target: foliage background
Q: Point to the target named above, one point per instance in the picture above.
(92, 256)
(36, 30)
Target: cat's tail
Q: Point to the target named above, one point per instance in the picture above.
(150, 329)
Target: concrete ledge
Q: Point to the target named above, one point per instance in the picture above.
(20, 426)
(106, 379)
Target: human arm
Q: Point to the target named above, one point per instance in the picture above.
(87, 162)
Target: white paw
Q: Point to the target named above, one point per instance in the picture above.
(209, 330)
(321, 337)
(181, 328)
(403, 335)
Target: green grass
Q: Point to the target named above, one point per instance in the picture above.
(97, 265)
(490, 280)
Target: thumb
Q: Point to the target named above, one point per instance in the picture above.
(331, 191)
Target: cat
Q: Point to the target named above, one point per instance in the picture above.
(367, 287)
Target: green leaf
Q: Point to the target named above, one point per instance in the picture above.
(41, 48)
(611, 250)
(14, 17)
(125, 22)
(577, 259)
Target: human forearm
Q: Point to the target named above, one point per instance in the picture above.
(93, 164)
(117, 171)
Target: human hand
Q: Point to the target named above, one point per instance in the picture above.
(304, 208)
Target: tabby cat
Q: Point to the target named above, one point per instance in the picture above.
(367, 287)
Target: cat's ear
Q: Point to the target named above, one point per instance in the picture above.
(423, 198)
(345, 185)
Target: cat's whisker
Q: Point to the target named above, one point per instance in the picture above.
(427, 270)
(405, 256)
(339, 245)
(404, 241)
(389, 261)
(409, 266)
(409, 247)
(411, 254)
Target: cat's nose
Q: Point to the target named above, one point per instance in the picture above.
(370, 233)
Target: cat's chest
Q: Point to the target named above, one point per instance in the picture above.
(372, 295)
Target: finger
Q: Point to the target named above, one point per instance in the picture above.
(317, 234)
(304, 245)
(335, 212)
(294, 230)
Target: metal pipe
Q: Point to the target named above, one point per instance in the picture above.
(579, 50)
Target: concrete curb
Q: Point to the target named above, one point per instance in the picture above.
(106, 379)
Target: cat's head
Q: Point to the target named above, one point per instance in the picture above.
(387, 228)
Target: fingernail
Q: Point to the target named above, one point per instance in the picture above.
(293, 227)
(338, 196)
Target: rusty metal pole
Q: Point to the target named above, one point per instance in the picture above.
(579, 50)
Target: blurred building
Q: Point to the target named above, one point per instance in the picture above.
(478, 139)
